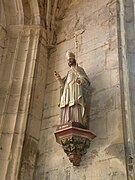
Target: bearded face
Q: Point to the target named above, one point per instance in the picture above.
(71, 62)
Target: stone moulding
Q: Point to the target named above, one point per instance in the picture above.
(74, 140)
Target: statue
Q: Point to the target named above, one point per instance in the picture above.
(74, 89)
(73, 133)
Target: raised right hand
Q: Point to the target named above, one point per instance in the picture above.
(57, 76)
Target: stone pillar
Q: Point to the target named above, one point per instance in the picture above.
(30, 146)
(22, 73)
(126, 37)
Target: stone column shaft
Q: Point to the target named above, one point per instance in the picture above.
(18, 73)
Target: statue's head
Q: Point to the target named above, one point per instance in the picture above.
(71, 58)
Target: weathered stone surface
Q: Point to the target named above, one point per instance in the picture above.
(98, 55)
(29, 94)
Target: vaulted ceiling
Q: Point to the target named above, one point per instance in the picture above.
(45, 13)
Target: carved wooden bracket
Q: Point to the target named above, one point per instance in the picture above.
(75, 140)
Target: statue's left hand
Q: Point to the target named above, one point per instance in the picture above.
(78, 81)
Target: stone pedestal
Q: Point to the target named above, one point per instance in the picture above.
(75, 139)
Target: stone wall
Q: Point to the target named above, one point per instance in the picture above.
(95, 22)
(27, 29)
(29, 94)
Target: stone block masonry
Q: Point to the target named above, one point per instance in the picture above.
(34, 38)
(98, 55)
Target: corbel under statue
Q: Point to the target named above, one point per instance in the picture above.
(72, 133)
